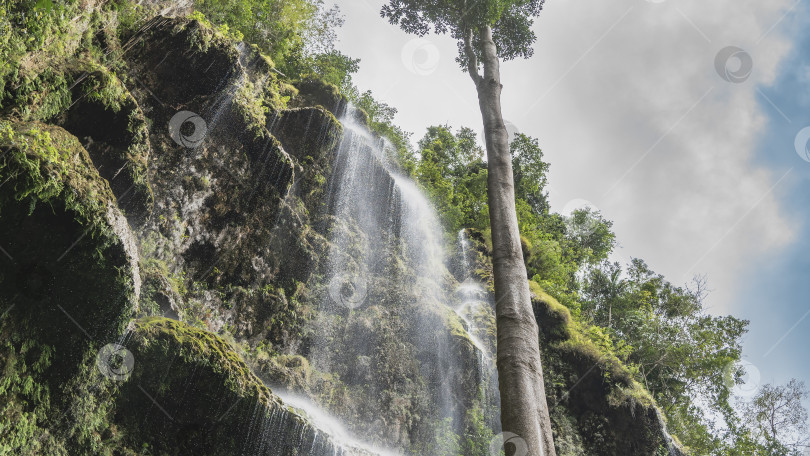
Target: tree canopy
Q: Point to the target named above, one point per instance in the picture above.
(511, 22)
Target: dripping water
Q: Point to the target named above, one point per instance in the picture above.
(475, 301)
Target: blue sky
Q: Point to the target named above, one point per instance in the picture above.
(699, 174)
(777, 291)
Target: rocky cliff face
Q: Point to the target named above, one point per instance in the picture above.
(191, 233)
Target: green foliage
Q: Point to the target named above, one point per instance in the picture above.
(776, 419)
(26, 400)
(446, 441)
(335, 68)
(299, 37)
(478, 435)
(279, 27)
(26, 27)
(681, 352)
(35, 419)
(452, 171)
(381, 121)
(530, 173)
(510, 20)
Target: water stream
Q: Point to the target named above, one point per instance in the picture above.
(325, 422)
(384, 230)
(475, 303)
(389, 302)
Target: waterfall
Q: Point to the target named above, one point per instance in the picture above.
(387, 243)
(475, 301)
(329, 424)
(673, 448)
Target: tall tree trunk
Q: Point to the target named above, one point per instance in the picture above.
(524, 410)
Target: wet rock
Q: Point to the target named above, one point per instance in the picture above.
(65, 243)
(597, 407)
(190, 394)
(112, 128)
(313, 91)
(308, 134)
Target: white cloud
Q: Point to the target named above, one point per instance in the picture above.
(635, 119)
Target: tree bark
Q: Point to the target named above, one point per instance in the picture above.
(524, 410)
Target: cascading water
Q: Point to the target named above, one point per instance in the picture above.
(386, 240)
(327, 423)
(474, 302)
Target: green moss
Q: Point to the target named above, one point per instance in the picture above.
(201, 348)
(598, 401)
(314, 91)
(570, 336)
(45, 164)
(70, 287)
(456, 327)
(105, 111)
(249, 105)
(191, 393)
(553, 318)
(309, 134)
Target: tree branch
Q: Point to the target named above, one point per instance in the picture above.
(472, 60)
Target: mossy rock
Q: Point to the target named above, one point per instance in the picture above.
(71, 281)
(314, 91)
(191, 394)
(553, 318)
(597, 407)
(311, 133)
(180, 59)
(113, 129)
(68, 249)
